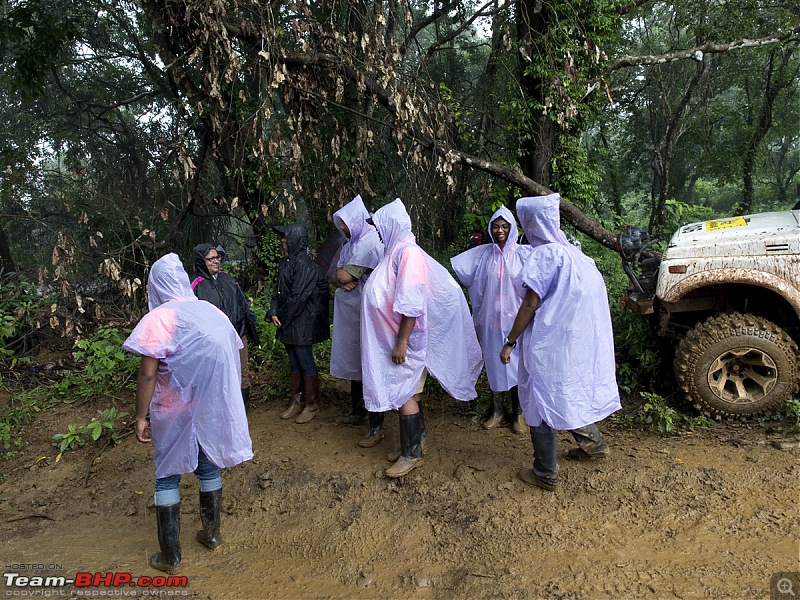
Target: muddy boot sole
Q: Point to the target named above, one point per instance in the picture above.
(157, 562)
(528, 476)
(371, 441)
(404, 466)
(309, 412)
(295, 408)
(582, 455)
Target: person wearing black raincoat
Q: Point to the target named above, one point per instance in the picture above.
(220, 289)
(299, 309)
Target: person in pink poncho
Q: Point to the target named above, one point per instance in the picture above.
(414, 320)
(567, 375)
(487, 271)
(189, 381)
(361, 252)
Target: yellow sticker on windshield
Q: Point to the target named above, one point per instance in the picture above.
(725, 223)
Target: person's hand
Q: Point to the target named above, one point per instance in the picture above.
(505, 354)
(399, 352)
(349, 286)
(143, 430)
(276, 321)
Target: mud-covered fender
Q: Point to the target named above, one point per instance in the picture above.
(762, 279)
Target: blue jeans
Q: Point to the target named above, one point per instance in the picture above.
(301, 358)
(545, 440)
(168, 490)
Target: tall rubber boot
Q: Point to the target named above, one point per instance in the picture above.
(311, 393)
(358, 412)
(168, 519)
(210, 536)
(246, 399)
(395, 454)
(497, 418)
(518, 424)
(296, 402)
(410, 446)
(375, 432)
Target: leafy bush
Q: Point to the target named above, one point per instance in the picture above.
(20, 310)
(106, 426)
(105, 365)
(654, 412)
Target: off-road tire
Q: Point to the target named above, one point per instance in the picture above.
(737, 365)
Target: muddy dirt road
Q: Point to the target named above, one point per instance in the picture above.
(706, 515)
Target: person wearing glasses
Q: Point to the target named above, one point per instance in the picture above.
(487, 271)
(220, 289)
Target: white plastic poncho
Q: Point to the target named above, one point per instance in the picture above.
(567, 374)
(408, 282)
(197, 399)
(487, 271)
(363, 249)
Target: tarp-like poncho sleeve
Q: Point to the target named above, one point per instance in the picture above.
(197, 400)
(363, 249)
(488, 272)
(408, 282)
(567, 375)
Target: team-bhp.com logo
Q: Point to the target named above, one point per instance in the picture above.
(90, 580)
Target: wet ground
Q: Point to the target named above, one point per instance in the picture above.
(707, 515)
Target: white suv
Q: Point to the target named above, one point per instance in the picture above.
(730, 290)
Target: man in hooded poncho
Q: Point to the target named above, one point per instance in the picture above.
(488, 271)
(220, 289)
(189, 381)
(414, 320)
(567, 378)
(361, 252)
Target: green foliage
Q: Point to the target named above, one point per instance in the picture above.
(271, 351)
(21, 412)
(654, 412)
(108, 425)
(20, 307)
(105, 365)
(70, 440)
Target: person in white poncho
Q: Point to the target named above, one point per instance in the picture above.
(567, 375)
(361, 252)
(414, 320)
(487, 271)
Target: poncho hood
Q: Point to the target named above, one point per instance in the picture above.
(296, 237)
(393, 224)
(353, 214)
(168, 281)
(513, 234)
(199, 254)
(541, 220)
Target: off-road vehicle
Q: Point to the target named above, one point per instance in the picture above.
(729, 289)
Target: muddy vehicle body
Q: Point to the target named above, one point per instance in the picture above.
(729, 289)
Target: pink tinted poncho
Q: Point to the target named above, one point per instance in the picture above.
(363, 249)
(197, 399)
(488, 272)
(408, 282)
(567, 374)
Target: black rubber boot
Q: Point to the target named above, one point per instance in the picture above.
(168, 519)
(246, 399)
(375, 433)
(209, 517)
(497, 418)
(518, 424)
(410, 446)
(358, 412)
(395, 454)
